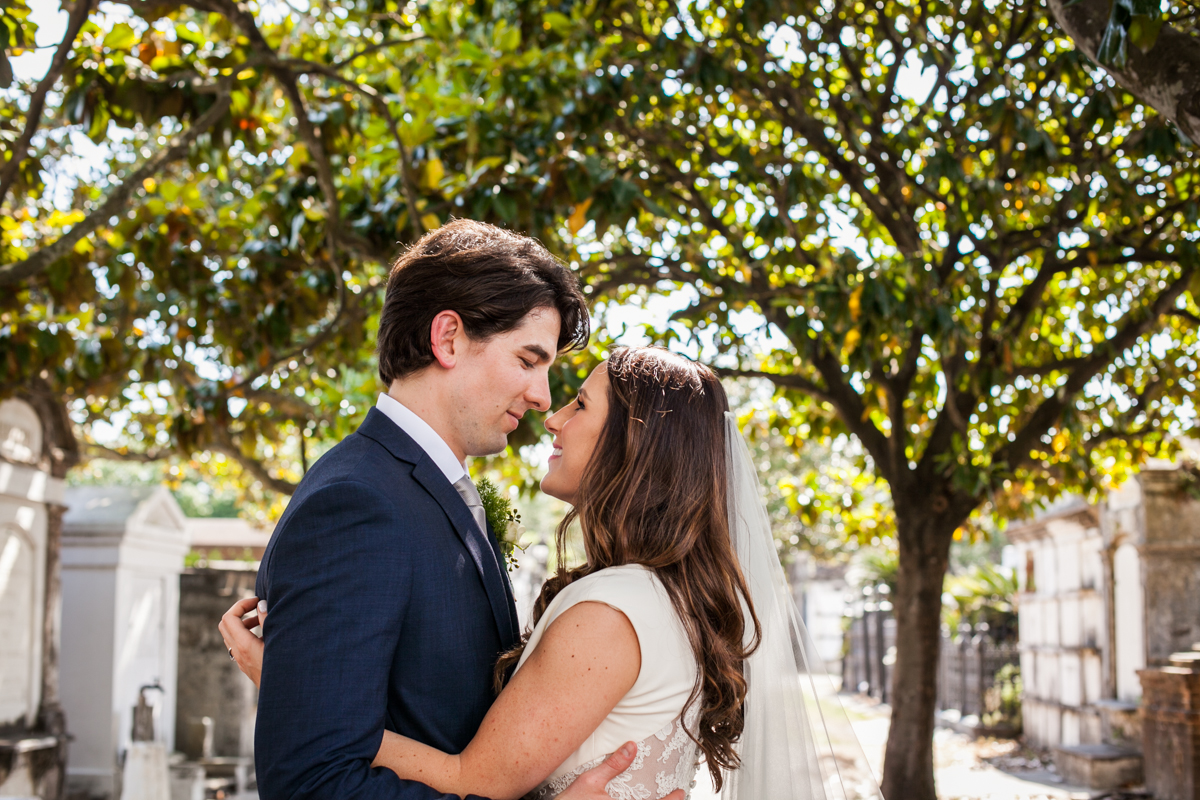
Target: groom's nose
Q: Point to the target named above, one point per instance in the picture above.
(539, 392)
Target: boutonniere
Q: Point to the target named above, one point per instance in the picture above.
(504, 520)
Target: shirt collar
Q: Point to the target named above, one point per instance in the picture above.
(426, 437)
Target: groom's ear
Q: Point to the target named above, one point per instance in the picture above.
(446, 335)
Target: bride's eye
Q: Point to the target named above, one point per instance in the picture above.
(579, 403)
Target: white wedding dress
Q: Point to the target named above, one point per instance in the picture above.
(652, 712)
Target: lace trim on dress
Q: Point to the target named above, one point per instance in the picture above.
(665, 762)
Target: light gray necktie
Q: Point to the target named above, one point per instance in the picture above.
(470, 495)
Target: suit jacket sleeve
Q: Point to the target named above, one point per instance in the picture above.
(337, 588)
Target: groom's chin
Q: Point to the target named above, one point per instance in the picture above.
(491, 447)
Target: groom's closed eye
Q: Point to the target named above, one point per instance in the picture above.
(537, 354)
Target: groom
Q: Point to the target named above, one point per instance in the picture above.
(389, 602)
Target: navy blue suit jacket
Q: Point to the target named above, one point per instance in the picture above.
(387, 609)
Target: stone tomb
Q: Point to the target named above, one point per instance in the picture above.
(216, 704)
(26, 754)
(1106, 591)
(123, 551)
(1062, 626)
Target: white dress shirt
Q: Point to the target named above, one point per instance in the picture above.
(433, 445)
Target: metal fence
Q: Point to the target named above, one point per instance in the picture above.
(969, 664)
(967, 671)
(870, 654)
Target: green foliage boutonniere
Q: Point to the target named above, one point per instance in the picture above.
(504, 520)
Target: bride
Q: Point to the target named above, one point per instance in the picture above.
(678, 633)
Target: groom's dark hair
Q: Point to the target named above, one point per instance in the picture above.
(489, 276)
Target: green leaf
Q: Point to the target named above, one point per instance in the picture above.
(559, 23)
(508, 38)
(121, 37)
(1143, 31)
(1111, 51)
(472, 52)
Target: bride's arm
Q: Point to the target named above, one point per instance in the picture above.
(584, 664)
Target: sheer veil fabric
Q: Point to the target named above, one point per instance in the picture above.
(797, 743)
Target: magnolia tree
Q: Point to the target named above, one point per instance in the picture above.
(991, 284)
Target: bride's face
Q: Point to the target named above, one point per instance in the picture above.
(576, 428)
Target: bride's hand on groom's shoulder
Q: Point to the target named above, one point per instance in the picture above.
(245, 648)
(590, 785)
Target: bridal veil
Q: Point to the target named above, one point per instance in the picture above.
(797, 743)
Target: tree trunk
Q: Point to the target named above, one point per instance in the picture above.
(924, 557)
(1167, 78)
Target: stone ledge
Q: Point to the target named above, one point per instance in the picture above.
(27, 744)
(1099, 766)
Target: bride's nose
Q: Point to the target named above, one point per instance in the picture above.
(553, 424)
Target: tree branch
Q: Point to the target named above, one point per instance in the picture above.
(784, 381)
(223, 442)
(406, 178)
(323, 335)
(116, 201)
(853, 411)
(148, 457)
(366, 51)
(1167, 78)
(1184, 314)
(1018, 452)
(37, 101)
(287, 79)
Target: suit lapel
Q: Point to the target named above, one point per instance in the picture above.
(483, 552)
(508, 590)
(477, 544)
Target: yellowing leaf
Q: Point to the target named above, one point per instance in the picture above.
(149, 184)
(434, 171)
(853, 337)
(431, 222)
(856, 303)
(59, 219)
(1059, 442)
(578, 217)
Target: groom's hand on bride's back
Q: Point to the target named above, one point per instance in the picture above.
(244, 647)
(590, 785)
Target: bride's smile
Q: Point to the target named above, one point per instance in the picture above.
(576, 428)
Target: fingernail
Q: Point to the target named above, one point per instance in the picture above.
(628, 750)
(262, 606)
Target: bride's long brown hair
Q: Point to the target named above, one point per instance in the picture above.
(655, 493)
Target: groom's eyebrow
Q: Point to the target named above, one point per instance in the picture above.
(539, 353)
